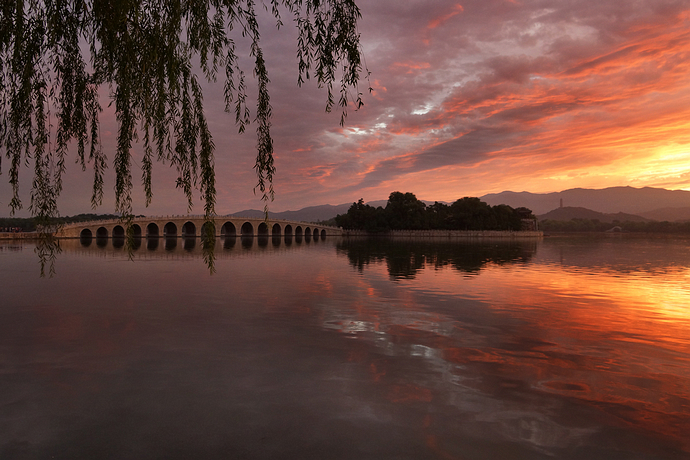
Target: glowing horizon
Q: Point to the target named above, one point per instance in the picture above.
(468, 98)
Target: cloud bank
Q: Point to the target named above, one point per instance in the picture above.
(468, 98)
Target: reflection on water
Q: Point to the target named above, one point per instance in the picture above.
(190, 245)
(562, 348)
(404, 258)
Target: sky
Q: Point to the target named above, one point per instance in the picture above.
(469, 98)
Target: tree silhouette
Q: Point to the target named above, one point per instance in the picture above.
(55, 55)
(405, 212)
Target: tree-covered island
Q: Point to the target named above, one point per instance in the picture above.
(405, 212)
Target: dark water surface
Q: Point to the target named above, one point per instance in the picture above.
(348, 349)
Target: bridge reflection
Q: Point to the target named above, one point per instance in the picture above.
(193, 243)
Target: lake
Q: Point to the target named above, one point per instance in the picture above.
(566, 348)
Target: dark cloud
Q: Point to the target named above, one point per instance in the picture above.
(468, 149)
(458, 82)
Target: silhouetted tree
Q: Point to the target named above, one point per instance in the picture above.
(471, 213)
(506, 218)
(438, 216)
(405, 212)
(55, 56)
(361, 216)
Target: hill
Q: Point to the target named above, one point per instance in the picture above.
(629, 200)
(567, 213)
(648, 203)
(308, 214)
(669, 214)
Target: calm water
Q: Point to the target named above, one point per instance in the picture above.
(341, 349)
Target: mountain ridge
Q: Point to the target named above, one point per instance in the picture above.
(647, 202)
(625, 199)
(568, 213)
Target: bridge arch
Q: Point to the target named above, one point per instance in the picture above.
(86, 233)
(323, 234)
(208, 229)
(228, 229)
(118, 231)
(188, 229)
(176, 226)
(247, 229)
(170, 229)
(152, 230)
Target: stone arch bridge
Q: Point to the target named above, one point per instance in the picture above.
(193, 226)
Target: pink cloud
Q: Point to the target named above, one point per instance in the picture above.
(470, 98)
(455, 10)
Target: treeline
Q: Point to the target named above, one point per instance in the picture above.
(28, 224)
(594, 225)
(405, 212)
(9, 224)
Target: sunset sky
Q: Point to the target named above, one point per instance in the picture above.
(468, 98)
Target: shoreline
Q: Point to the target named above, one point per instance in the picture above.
(447, 234)
(437, 234)
(19, 236)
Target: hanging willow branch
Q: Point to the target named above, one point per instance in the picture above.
(55, 56)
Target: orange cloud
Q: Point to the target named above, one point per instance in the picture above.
(411, 67)
(434, 23)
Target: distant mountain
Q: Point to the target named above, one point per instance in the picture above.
(567, 213)
(309, 214)
(609, 200)
(669, 214)
(629, 202)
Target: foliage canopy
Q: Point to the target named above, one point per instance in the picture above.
(55, 56)
(405, 212)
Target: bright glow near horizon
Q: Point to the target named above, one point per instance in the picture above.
(469, 98)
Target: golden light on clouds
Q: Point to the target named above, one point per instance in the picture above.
(473, 98)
